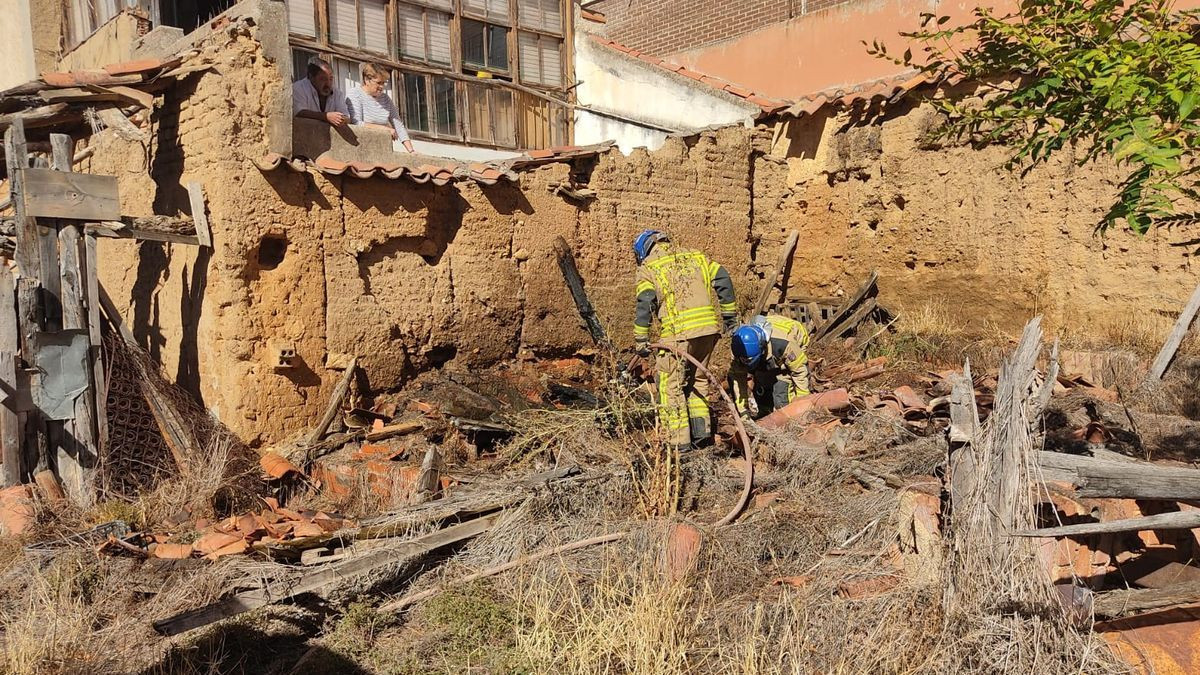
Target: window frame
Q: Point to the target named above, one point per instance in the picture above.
(426, 10)
(507, 71)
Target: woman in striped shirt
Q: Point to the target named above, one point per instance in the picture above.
(371, 106)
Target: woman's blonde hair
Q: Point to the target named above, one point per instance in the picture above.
(375, 73)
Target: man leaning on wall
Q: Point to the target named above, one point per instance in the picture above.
(315, 96)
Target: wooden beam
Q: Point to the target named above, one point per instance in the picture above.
(566, 263)
(16, 158)
(1115, 604)
(35, 117)
(1181, 520)
(79, 451)
(199, 213)
(325, 579)
(116, 120)
(335, 403)
(92, 269)
(772, 279)
(847, 308)
(75, 196)
(10, 422)
(1167, 353)
(107, 230)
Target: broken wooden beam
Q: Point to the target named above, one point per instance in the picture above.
(199, 213)
(847, 310)
(566, 263)
(1116, 604)
(393, 430)
(10, 422)
(326, 578)
(1167, 353)
(1180, 520)
(335, 403)
(773, 278)
(1114, 475)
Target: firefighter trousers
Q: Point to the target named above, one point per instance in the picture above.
(683, 394)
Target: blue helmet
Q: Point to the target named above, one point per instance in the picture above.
(749, 344)
(646, 241)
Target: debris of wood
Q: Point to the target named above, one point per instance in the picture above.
(335, 403)
(1182, 520)
(324, 579)
(397, 605)
(1167, 353)
(774, 278)
(591, 321)
(199, 214)
(1115, 604)
(392, 430)
(850, 313)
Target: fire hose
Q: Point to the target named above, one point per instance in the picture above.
(748, 484)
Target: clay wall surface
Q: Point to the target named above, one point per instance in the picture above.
(950, 224)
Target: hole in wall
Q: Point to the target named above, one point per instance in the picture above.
(271, 251)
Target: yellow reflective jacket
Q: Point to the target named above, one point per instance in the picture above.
(678, 285)
(786, 361)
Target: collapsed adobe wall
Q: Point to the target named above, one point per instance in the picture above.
(950, 223)
(406, 277)
(411, 277)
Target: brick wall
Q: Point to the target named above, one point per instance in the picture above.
(662, 27)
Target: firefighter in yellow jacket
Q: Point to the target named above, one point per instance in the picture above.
(772, 349)
(678, 285)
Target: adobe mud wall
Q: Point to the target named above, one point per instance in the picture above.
(410, 277)
(950, 223)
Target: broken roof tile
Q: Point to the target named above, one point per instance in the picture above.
(889, 88)
(540, 154)
(131, 67)
(595, 16)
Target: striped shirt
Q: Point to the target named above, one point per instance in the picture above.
(367, 109)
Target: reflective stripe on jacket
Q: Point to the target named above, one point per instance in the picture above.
(678, 286)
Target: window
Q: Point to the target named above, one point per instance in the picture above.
(484, 46)
(491, 10)
(423, 34)
(543, 15)
(361, 24)
(300, 59)
(416, 101)
(444, 107)
(540, 58)
(302, 17)
(491, 118)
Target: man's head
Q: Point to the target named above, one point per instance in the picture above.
(321, 75)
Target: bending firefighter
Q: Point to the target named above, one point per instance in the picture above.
(773, 350)
(678, 285)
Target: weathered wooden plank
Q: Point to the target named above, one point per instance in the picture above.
(124, 94)
(16, 157)
(566, 264)
(77, 95)
(76, 196)
(199, 213)
(1181, 520)
(770, 281)
(10, 423)
(320, 580)
(34, 117)
(94, 334)
(1115, 604)
(335, 403)
(116, 120)
(869, 305)
(847, 308)
(100, 230)
(1167, 353)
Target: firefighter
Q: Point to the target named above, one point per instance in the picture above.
(773, 350)
(678, 285)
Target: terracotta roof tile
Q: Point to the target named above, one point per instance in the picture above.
(594, 16)
(540, 154)
(887, 89)
(130, 67)
(768, 105)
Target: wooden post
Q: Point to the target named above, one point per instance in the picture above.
(31, 295)
(78, 452)
(199, 215)
(97, 353)
(780, 265)
(335, 403)
(1163, 360)
(10, 422)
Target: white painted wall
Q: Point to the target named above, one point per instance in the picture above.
(617, 83)
(16, 44)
